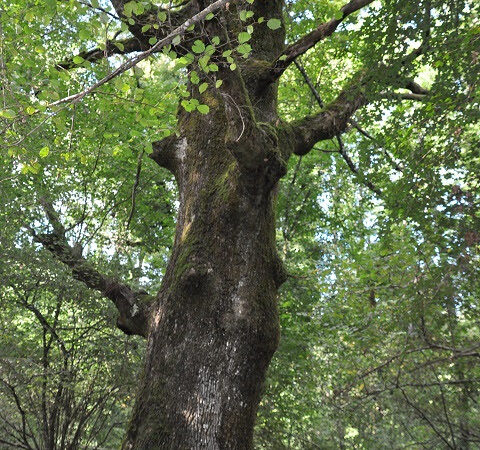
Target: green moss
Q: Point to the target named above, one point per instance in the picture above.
(223, 186)
(183, 261)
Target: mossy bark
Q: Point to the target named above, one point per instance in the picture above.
(214, 326)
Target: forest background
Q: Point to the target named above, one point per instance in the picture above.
(378, 227)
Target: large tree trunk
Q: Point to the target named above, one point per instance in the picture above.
(214, 327)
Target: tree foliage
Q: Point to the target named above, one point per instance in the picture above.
(378, 224)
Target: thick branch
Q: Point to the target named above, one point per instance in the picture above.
(150, 17)
(330, 122)
(403, 96)
(341, 149)
(415, 88)
(132, 305)
(168, 152)
(311, 39)
(334, 119)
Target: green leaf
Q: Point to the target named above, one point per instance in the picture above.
(198, 46)
(44, 152)
(243, 15)
(204, 109)
(152, 40)
(274, 24)
(194, 78)
(244, 37)
(176, 40)
(209, 50)
(203, 62)
(146, 27)
(128, 8)
(78, 59)
(202, 88)
(139, 9)
(8, 113)
(51, 6)
(209, 16)
(244, 49)
(84, 34)
(218, 83)
(120, 46)
(216, 40)
(185, 60)
(162, 16)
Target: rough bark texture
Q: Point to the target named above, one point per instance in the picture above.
(214, 327)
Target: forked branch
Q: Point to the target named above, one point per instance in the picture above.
(334, 119)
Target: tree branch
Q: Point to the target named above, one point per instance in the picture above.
(330, 122)
(140, 40)
(23, 300)
(121, 47)
(403, 96)
(179, 31)
(334, 119)
(355, 169)
(167, 153)
(341, 149)
(311, 39)
(132, 305)
(157, 29)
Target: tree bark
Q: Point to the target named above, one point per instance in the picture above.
(214, 326)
